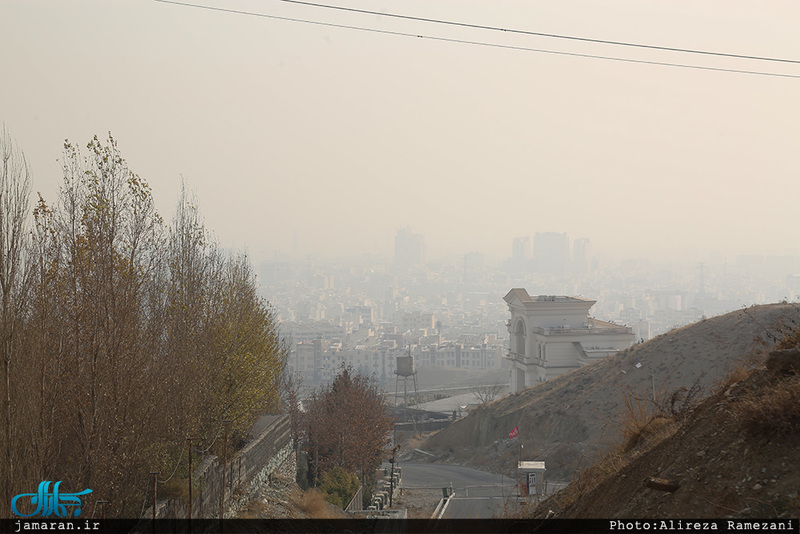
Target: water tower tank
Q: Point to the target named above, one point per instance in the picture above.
(405, 366)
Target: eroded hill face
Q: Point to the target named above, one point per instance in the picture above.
(736, 455)
(570, 420)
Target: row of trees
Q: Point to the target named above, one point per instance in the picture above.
(121, 335)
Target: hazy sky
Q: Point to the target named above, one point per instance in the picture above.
(341, 136)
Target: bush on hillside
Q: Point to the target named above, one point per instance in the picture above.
(339, 486)
(773, 412)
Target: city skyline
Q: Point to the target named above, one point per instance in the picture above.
(320, 140)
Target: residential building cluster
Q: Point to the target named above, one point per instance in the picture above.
(369, 312)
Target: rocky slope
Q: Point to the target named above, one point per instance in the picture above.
(736, 456)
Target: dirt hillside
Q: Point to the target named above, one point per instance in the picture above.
(570, 420)
(736, 455)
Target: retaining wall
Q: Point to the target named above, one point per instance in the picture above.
(422, 426)
(247, 471)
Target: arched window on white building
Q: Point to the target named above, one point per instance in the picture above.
(520, 338)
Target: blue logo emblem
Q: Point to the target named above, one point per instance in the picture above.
(48, 503)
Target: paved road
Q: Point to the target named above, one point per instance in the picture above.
(477, 493)
(477, 507)
(441, 475)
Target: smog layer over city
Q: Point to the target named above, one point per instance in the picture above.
(505, 227)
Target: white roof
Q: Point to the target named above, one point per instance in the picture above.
(530, 465)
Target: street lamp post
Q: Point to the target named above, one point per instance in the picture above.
(391, 474)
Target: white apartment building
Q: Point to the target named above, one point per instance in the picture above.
(307, 331)
(461, 356)
(551, 335)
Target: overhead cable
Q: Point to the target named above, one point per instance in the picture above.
(482, 43)
(540, 34)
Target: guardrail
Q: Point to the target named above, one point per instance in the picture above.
(438, 512)
(357, 502)
(466, 488)
(515, 356)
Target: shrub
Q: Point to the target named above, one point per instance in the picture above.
(772, 412)
(313, 503)
(339, 486)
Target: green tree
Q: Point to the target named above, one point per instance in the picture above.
(339, 486)
(248, 356)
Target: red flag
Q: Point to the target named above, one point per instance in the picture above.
(513, 433)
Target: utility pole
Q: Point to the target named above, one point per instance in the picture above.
(391, 474)
(226, 422)
(653, 379)
(519, 461)
(190, 485)
(103, 509)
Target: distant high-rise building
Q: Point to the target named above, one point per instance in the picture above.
(581, 255)
(550, 252)
(521, 249)
(409, 248)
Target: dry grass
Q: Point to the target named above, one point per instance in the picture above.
(313, 503)
(656, 429)
(643, 424)
(636, 415)
(737, 374)
(791, 339)
(584, 482)
(772, 412)
(254, 509)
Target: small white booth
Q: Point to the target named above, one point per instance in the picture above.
(531, 478)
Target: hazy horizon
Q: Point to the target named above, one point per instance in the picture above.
(335, 138)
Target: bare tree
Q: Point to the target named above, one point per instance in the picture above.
(119, 337)
(348, 425)
(14, 247)
(108, 236)
(486, 394)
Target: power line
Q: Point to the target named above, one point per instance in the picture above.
(176, 467)
(540, 34)
(481, 43)
(212, 443)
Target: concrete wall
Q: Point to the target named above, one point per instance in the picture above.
(422, 426)
(561, 355)
(247, 471)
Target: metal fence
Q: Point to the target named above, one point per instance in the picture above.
(357, 502)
